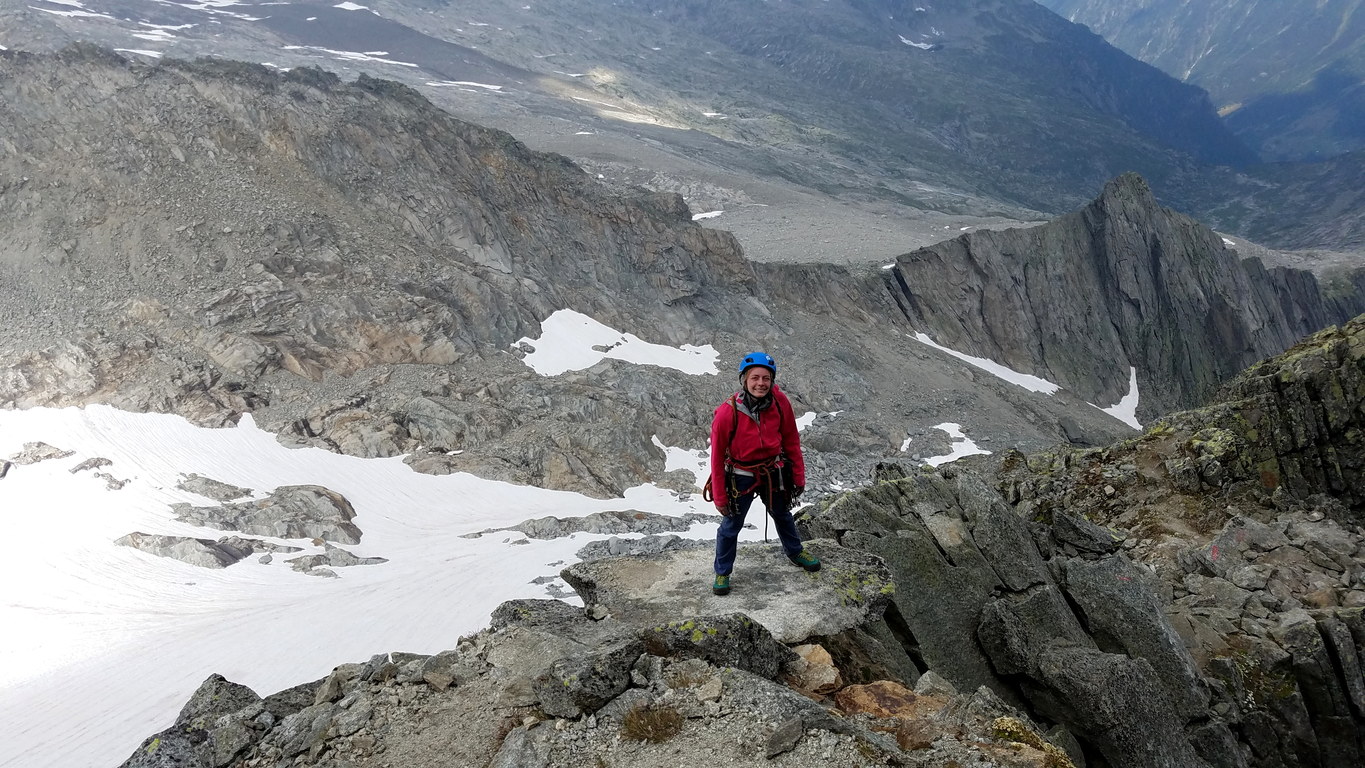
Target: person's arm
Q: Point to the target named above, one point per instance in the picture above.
(720, 445)
(791, 442)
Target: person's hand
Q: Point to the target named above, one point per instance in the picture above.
(797, 491)
(723, 509)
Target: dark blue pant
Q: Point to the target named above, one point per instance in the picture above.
(779, 507)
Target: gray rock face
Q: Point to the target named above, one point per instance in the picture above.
(290, 512)
(981, 605)
(1117, 602)
(1017, 630)
(918, 527)
(210, 488)
(732, 640)
(1114, 702)
(849, 589)
(1122, 282)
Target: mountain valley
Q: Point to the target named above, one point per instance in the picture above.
(338, 326)
(1290, 91)
(968, 115)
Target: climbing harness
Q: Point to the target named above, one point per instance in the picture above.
(769, 474)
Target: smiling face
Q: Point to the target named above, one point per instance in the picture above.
(758, 381)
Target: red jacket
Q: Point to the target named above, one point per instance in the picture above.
(773, 432)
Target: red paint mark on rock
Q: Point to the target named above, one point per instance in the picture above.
(1213, 552)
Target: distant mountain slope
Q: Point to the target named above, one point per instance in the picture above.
(987, 105)
(1295, 205)
(844, 116)
(1290, 77)
(998, 99)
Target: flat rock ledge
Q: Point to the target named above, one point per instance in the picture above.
(851, 588)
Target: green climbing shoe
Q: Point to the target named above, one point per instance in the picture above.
(805, 560)
(722, 584)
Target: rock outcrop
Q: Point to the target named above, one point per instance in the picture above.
(978, 603)
(1204, 580)
(289, 512)
(205, 553)
(1248, 517)
(212, 489)
(36, 452)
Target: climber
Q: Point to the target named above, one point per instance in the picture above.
(756, 450)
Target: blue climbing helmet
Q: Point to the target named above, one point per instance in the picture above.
(758, 358)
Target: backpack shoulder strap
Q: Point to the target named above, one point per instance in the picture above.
(734, 421)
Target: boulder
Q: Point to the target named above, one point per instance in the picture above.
(1115, 703)
(207, 733)
(1118, 605)
(581, 684)
(1082, 534)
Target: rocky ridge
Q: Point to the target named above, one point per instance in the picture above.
(1191, 597)
(548, 685)
(1163, 294)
